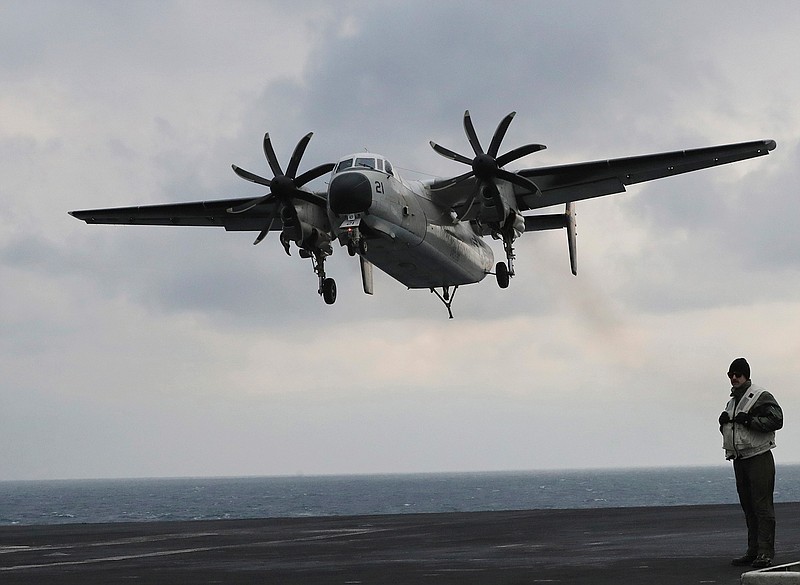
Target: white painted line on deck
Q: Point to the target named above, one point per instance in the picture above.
(116, 558)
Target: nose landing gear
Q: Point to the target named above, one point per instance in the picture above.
(351, 235)
(356, 243)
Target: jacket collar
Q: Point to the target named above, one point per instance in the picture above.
(737, 393)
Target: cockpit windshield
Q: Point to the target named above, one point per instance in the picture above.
(344, 165)
(366, 162)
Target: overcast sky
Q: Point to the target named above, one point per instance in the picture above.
(153, 351)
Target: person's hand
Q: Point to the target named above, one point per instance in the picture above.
(744, 418)
(724, 418)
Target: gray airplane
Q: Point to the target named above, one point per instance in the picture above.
(425, 234)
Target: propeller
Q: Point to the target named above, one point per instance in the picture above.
(488, 166)
(283, 186)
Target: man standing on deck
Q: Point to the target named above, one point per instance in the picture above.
(748, 426)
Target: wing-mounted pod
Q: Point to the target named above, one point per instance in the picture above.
(555, 221)
(303, 214)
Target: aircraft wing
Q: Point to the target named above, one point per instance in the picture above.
(573, 182)
(198, 213)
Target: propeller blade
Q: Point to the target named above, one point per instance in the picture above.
(447, 153)
(249, 205)
(518, 152)
(253, 178)
(439, 185)
(262, 235)
(314, 173)
(518, 180)
(499, 134)
(471, 135)
(312, 198)
(271, 158)
(294, 162)
(468, 205)
(265, 231)
(445, 183)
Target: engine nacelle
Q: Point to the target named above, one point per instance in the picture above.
(494, 199)
(306, 225)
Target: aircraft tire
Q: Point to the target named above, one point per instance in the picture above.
(501, 272)
(329, 291)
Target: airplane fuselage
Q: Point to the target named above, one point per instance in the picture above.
(406, 235)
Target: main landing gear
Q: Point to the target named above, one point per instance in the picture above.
(502, 271)
(327, 286)
(502, 274)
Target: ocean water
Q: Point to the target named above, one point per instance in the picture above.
(133, 500)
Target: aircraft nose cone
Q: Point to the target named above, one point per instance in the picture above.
(350, 193)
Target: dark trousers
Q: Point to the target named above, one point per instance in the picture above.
(755, 483)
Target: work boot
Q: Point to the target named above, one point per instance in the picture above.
(747, 559)
(762, 562)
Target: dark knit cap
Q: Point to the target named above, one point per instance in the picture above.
(740, 366)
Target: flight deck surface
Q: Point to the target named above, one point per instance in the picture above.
(653, 546)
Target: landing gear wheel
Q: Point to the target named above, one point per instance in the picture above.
(503, 277)
(329, 291)
(362, 246)
(351, 248)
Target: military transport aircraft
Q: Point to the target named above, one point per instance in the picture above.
(425, 234)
